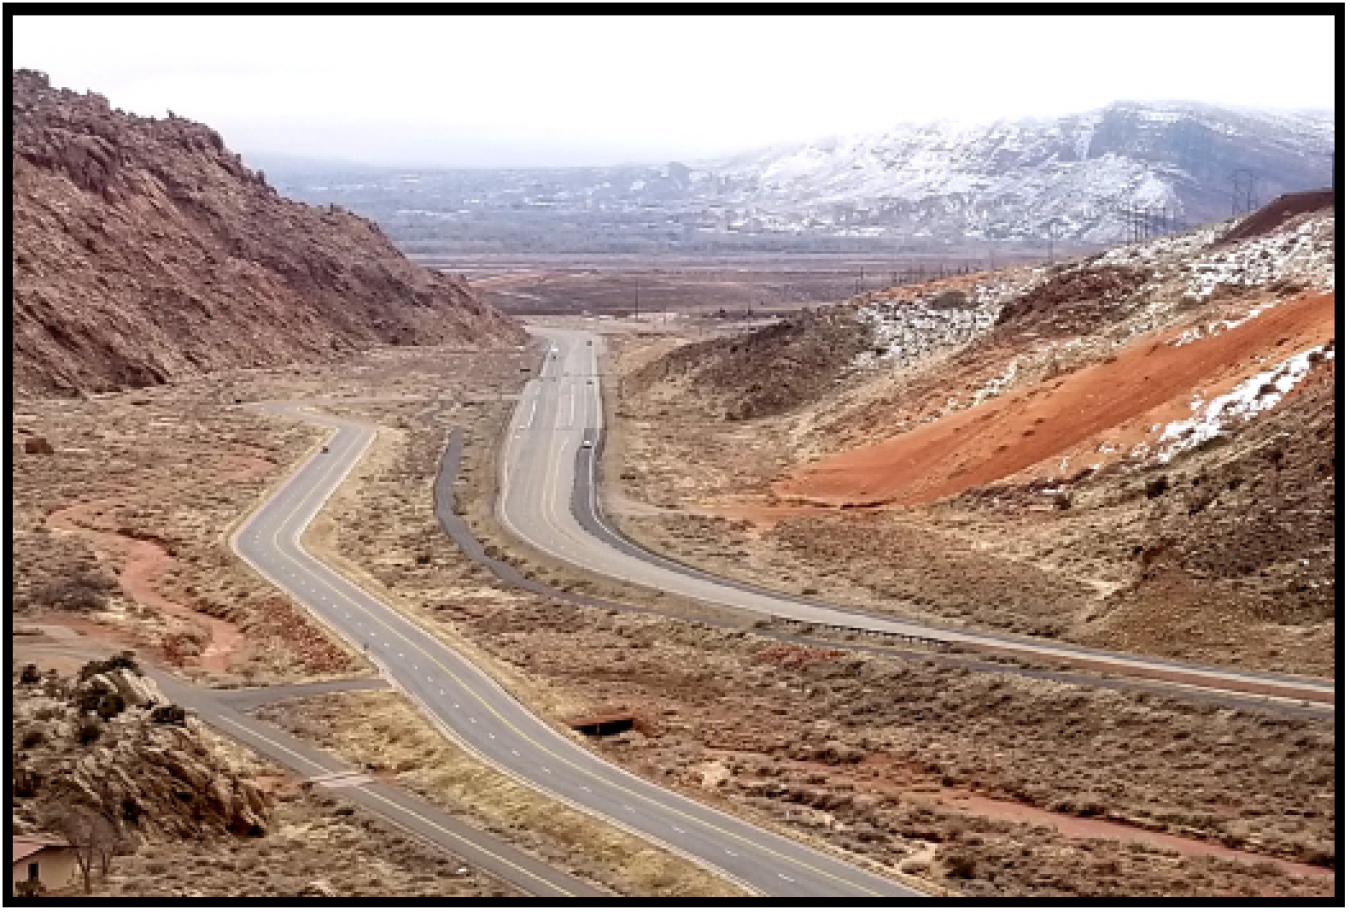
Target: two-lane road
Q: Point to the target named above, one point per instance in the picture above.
(549, 500)
(479, 715)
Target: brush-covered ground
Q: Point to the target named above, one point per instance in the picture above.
(969, 782)
(1134, 451)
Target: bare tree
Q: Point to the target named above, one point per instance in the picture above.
(92, 837)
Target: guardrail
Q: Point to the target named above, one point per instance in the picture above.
(940, 644)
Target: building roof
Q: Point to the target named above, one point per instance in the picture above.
(26, 846)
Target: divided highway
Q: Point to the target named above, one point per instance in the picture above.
(481, 717)
(549, 500)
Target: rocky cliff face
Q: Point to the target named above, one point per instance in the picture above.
(145, 771)
(145, 251)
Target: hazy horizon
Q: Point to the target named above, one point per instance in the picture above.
(546, 92)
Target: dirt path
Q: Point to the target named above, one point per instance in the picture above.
(143, 562)
(1092, 828)
(1012, 811)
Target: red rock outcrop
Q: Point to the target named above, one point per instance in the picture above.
(145, 251)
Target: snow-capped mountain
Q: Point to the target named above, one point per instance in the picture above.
(1009, 179)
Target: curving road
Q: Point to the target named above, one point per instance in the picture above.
(481, 717)
(549, 500)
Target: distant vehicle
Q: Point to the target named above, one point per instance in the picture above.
(590, 381)
(324, 449)
(586, 443)
(589, 342)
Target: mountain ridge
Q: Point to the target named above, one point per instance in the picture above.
(145, 251)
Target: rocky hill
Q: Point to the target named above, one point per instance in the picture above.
(145, 251)
(108, 743)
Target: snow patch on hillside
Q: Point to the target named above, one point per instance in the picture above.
(1255, 395)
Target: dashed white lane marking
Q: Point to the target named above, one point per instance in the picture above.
(676, 828)
(491, 736)
(515, 752)
(732, 853)
(547, 769)
(472, 720)
(629, 808)
(585, 787)
(787, 878)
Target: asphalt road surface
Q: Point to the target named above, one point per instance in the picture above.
(482, 718)
(401, 808)
(549, 500)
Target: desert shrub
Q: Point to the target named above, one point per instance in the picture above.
(88, 731)
(1155, 487)
(88, 698)
(30, 674)
(123, 660)
(168, 714)
(952, 298)
(80, 590)
(26, 781)
(29, 889)
(31, 738)
(961, 866)
(110, 706)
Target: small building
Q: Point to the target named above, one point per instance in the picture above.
(46, 859)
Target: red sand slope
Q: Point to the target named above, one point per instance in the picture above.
(1019, 430)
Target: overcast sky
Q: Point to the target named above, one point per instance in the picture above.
(482, 91)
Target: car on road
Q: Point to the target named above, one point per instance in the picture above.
(586, 443)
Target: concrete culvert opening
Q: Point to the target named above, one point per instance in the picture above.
(602, 725)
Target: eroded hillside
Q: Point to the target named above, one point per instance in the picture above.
(144, 251)
(1135, 450)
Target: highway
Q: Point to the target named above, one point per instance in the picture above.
(549, 499)
(476, 713)
(402, 808)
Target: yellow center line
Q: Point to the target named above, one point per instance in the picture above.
(469, 842)
(692, 818)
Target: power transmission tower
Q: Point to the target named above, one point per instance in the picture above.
(1244, 190)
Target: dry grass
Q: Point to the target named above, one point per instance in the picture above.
(385, 731)
(1162, 768)
(313, 838)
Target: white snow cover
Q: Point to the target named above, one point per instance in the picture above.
(905, 329)
(1303, 248)
(1217, 327)
(1003, 179)
(1255, 395)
